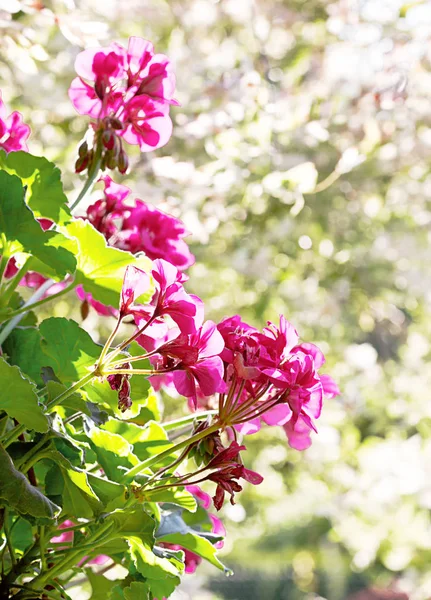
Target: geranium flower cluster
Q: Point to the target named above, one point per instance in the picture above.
(136, 226)
(251, 376)
(128, 93)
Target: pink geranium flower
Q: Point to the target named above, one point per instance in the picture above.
(136, 226)
(199, 365)
(272, 379)
(128, 94)
(172, 299)
(13, 131)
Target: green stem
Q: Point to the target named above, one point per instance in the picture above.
(15, 320)
(152, 460)
(71, 559)
(108, 343)
(42, 547)
(16, 431)
(121, 346)
(8, 540)
(24, 309)
(177, 423)
(76, 386)
(13, 435)
(134, 372)
(3, 262)
(88, 184)
(24, 459)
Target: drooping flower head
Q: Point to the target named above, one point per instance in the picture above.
(13, 131)
(128, 94)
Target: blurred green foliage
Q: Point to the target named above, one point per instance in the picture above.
(300, 165)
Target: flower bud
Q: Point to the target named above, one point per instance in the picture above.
(100, 89)
(108, 139)
(116, 123)
(81, 164)
(83, 150)
(123, 162)
(85, 309)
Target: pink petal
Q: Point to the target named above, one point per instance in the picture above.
(279, 415)
(84, 98)
(250, 427)
(330, 388)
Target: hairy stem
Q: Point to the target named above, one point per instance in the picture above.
(153, 460)
(14, 322)
(88, 186)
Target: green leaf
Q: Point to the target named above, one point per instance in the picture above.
(78, 498)
(136, 591)
(100, 267)
(197, 544)
(113, 452)
(69, 349)
(22, 233)
(19, 400)
(21, 533)
(100, 392)
(178, 496)
(150, 411)
(18, 493)
(111, 494)
(100, 586)
(162, 577)
(133, 522)
(61, 242)
(22, 347)
(45, 194)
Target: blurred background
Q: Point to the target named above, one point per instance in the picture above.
(300, 163)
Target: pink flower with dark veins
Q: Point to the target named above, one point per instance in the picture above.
(13, 131)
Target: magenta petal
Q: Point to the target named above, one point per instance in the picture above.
(114, 192)
(252, 477)
(136, 282)
(312, 350)
(209, 374)
(330, 388)
(211, 342)
(185, 384)
(298, 434)
(203, 497)
(279, 415)
(84, 98)
(139, 54)
(248, 428)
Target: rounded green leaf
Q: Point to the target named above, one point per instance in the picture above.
(18, 493)
(19, 400)
(45, 195)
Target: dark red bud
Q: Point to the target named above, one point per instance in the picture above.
(108, 139)
(85, 309)
(83, 150)
(123, 162)
(100, 89)
(81, 164)
(116, 123)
